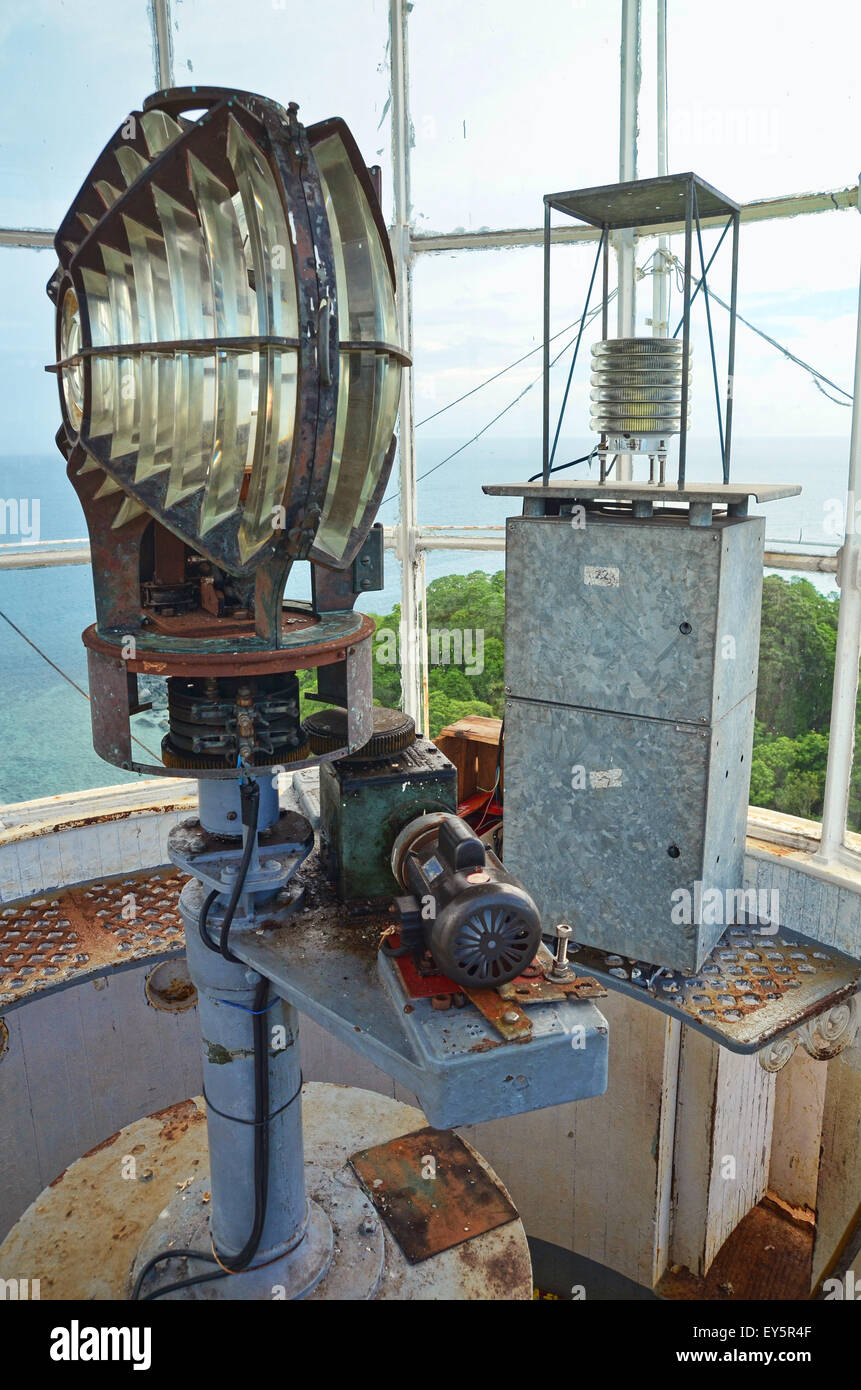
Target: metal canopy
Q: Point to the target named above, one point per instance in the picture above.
(643, 202)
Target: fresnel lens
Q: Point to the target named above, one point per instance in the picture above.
(229, 381)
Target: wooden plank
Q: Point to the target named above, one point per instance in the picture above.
(799, 1101)
(839, 1192)
(723, 1142)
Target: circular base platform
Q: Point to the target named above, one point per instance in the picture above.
(83, 1234)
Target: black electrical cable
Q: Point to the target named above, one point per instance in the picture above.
(250, 796)
(201, 923)
(495, 778)
(261, 1130)
(185, 1283)
(173, 1255)
(557, 467)
(261, 1172)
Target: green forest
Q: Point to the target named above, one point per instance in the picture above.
(793, 706)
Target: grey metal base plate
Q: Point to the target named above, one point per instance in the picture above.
(757, 985)
(83, 1249)
(561, 488)
(184, 1225)
(325, 960)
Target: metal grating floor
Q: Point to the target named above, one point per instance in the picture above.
(756, 985)
(49, 942)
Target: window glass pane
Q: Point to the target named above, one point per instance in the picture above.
(509, 103)
(44, 723)
(798, 284)
(793, 699)
(68, 75)
(478, 312)
(763, 99)
(332, 61)
(52, 606)
(32, 469)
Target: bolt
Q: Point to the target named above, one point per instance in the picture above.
(368, 1226)
(231, 815)
(561, 968)
(441, 1001)
(511, 1016)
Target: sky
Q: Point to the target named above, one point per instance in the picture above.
(508, 101)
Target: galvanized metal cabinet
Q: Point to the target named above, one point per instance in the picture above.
(631, 659)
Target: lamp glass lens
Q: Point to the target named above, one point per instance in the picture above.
(369, 383)
(70, 346)
(208, 256)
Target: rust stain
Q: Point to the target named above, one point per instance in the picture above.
(52, 938)
(492, 1007)
(176, 1119)
(431, 1191)
(105, 1144)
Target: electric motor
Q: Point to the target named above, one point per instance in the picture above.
(480, 926)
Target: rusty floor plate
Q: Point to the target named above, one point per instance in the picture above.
(50, 941)
(756, 985)
(431, 1191)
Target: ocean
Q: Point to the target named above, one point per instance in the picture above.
(45, 723)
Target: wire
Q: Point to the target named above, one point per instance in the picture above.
(201, 923)
(261, 1131)
(495, 780)
(487, 382)
(799, 362)
(62, 673)
(250, 794)
(557, 467)
(184, 1283)
(593, 314)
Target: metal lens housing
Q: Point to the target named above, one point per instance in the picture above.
(227, 337)
(637, 387)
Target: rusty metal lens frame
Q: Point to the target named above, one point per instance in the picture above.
(226, 331)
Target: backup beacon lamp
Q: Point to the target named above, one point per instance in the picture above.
(229, 371)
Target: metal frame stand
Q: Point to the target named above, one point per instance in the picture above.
(646, 205)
